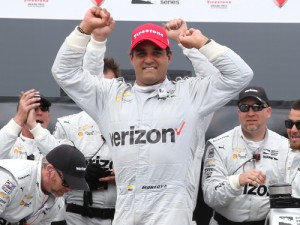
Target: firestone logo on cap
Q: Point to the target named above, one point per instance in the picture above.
(150, 32)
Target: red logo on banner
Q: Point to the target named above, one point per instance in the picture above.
(97, 2)
(280, 3)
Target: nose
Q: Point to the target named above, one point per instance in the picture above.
(294, 128)
(148, 58)
(251, 111)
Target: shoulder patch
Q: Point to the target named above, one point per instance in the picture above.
(8, 187)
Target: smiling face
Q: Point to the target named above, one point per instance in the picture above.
(253, 123)
(150, 63)
(294, 133)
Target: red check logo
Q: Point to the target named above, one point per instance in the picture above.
(178, 131)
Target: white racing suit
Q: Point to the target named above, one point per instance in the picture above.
(82, 130)
(223, 156)
(8, 136)
(21, 196)
(292, 172)
(17, 146)
(152, 132)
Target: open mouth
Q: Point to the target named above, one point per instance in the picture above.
(39, 121)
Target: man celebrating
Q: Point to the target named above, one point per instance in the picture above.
(30, 190)
(153, 126)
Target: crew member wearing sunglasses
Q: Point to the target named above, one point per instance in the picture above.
(240, 164)
(292, 125)
(24, 133)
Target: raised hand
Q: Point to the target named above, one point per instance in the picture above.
(95, 17)
(192, 38)
(174, 28)
(27, 101)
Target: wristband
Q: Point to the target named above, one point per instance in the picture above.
(81, 30)
(209, 40)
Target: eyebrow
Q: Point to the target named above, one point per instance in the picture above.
(140, 49)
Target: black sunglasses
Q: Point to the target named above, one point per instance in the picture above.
(43, 108)
(255, 107)
(290, 123)
(64, 182)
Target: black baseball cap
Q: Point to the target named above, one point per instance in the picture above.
(71, 162)
(254, 92)
(44, 101)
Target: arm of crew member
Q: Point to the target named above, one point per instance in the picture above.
(218, 186)
(8, 190)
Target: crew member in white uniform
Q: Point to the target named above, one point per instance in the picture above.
(31, 128)
(98, 205)
(27, 133)
(30, 191)
(292, 125)
(240, 164)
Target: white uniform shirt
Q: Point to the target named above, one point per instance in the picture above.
(292, 172)
(21, 196)
(224, 155)
(153, 141)
(84, 133)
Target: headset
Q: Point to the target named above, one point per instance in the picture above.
(255, 157)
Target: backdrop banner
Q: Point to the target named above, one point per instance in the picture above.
(237, 11)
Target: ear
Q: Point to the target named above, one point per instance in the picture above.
(269, 112)
(131, 57)
(170, 55)
(50, 168)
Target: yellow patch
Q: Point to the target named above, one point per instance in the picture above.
(237, 150)
(28, 196)
(3, 195)
(85, 127)
(126, 94)
(130, 187)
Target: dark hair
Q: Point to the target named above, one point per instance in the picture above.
(111, 64)
(296, 105)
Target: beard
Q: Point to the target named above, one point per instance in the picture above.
(295, 145)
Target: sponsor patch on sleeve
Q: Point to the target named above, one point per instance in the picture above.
(8, 187)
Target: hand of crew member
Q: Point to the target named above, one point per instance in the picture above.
(110, 178)
(253, 176)
(31, 120)
(27, 102)
(95, 17)
(174, 28)
(192, 38)
(93, 173)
